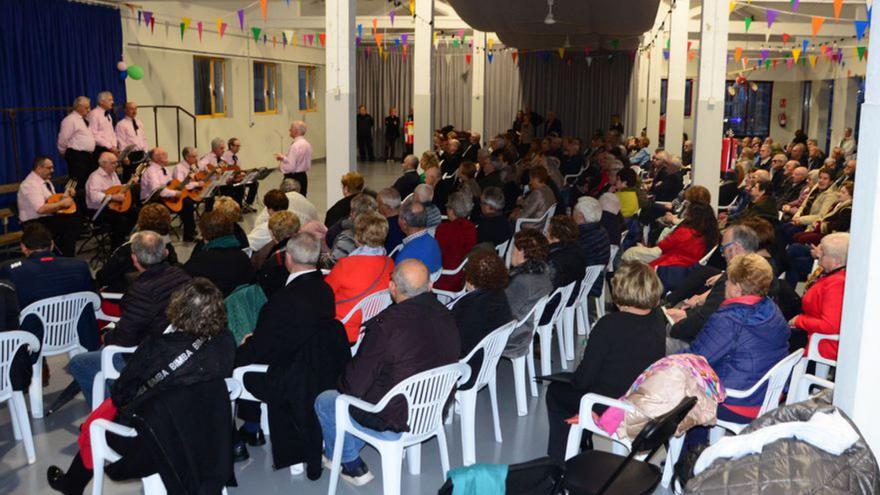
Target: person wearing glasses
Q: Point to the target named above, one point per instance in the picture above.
(99, 181)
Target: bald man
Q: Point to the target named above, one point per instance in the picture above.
(414, 335)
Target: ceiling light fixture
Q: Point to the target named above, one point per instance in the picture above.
(550, 19)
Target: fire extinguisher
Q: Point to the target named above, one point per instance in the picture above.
(783, 119)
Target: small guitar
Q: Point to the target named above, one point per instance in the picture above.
(125, 190)
(68, 191)
(176, 204)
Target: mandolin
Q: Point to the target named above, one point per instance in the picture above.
(71, 185)
(124, 189)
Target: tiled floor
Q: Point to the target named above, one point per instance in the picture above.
(55, 436)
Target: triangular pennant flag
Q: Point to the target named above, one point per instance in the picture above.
(182, 29)
(737, 53)
(732, 5)
(665, 54)
(805, 44)
(391, 15)
(404, 38)
(668, 41)
(139, 17)
(360, 30)
(412, 7)
(467, 58)
(265, 39)
(745, 62)
(274, 41)
(221, 27)
(199, 27)
(568, 61)
(513, 55)
(396, 42)
(561, 52)
(311, 39)
(615, 43)
(322, 38)
(490, 56)
(766, 64)
(765, 53)
(796, 54)
(186, 21)
(384, 54)
(241, 19)
(794, 5)
(404, 53)
(375, 23)
(490, 42)
(774, 63)
(861, 51)
(838, 6)
(817, 24)
(148, 17)
(293, 39)
(436, 41)
(264, 8)
(153, 25)
(379, 37)
(284, 39)
(546, 56)
(256, 32)
(785, 38)
(771, 17)
(789, 62)
(812, 60)
(455, 43)
(691, 55)
(748, 21)
(689, 45)
(860, 28)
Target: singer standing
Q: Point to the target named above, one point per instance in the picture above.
(130, 132)
(76, 143)
(298, 160)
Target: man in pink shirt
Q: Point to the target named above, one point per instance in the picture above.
(130, 132)
(156, 177)
(231, 158)
(298, 160)
(99, 182)
(76, 143)
(33, 206)
(101, 124)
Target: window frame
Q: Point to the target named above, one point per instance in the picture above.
(266, 66)
(311, 72)
(212, 85)
(745, 118)
(688, 96)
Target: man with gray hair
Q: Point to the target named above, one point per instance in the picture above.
(76, 143)
(143, 307)
(406, 183)
(418, 243)
(424, 194)
(492, 226)
(344, 241)
(298, 337)
(214, 159)
(473, 147)
(592, 237)
(298, 159)
(101, 124)
(414, 335)
(388, 202)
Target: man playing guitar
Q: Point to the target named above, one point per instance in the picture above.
(153, 186)
(34, 205)
(99, 182)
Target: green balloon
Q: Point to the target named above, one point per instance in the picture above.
(135, 72)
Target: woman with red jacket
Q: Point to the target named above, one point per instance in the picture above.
(696, 234)
(456, 239)
(363, 272)
(822, 304)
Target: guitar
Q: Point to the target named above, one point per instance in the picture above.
(125, 190)
(71, 185)
(176, 204)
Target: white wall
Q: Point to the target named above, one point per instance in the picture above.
(169, 80)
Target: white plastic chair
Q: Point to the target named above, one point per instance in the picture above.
(503, 251)
(619, 445)
(102, 452)
(492, 346)
(575, 311)
(99, 312)
(541, 223)
(775, 379)
(369, 307)
(59, 316)
(108, 372)
(10, 343)
(425, 394)
(449, 298)
(454, 271)
(801, 381)
(600, 301)
(546, 330)
(707, 256)
(394, 251)
(528, 360)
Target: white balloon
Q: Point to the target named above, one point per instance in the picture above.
(121, 66)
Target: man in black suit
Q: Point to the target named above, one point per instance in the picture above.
(552, 126)
(41, 275)
(406, 183)
(306, 349)
(470, 151)
(365, 134)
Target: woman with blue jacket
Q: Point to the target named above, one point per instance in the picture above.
(743, 339)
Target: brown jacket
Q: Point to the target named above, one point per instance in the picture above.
(415, 335)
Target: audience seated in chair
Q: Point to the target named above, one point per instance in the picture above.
(222, 260)
(592, 238)
(531, 278)
(426, 194)
(344, 241)
(456, 238)
(407, 182)
(175, 383)
(484, 307)
(413, 335)
(418, 243)
(352, 185)
(305, 348)
(365, 271)
(620, 347)
(260, 235)
(492, 226)
(388, 201)
(143, 307)
(281, 225)
(565, 256)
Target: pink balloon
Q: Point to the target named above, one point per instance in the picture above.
(121, 66)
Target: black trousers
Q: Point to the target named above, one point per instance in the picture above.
(365, 147)
(259, 387)
(390, 146)
(79, 165)
(120, 224)
(65, 230)
(563, 402)
(136, 463)
(188, 218)
(303, 180)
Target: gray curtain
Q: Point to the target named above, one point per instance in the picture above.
(583, 95)
(383, 82)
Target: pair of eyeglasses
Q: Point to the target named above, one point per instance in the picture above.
(727, 245)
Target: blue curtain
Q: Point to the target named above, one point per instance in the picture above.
(51, 51)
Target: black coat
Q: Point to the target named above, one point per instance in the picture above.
(613, 225)
(306, 354)
(470, 152)
(392, 127)
(226, 267)
(143, 305)
(594, 243)
(569, 263)
(667, 186)
(118, 273)
(273, 274)
(341, 209)
(495, 229)
(364, 125)
(477, 314)
(406, 183)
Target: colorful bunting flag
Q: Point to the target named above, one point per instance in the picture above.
(765, 53)
(391, 15)
(771, 17)
(774, 63)
(812, 60)
(490, 56)
(561, 52)
(665, 54)
(221, 27)
(737, 53)
(794, 5)
(379, 38)
(256, 32)
(838, 6)
(467, 58)
(691, 55)
(311, 39)
(360, 28)
(199, 27)
(745, 62)
(184, 25)
(731, 5)
(375, 24)
(265, 39)
(274, 41)
(615, 43)
(860, 28)
(322, 38)
(241, 19)
(148, 18)
(152, 25)
(861, 52)
(490, 42)
(284, 39)
(785, 38)
(796, 54)
(264, 8)
(805, 44)
(513, 56)
(817, 24)
(767, 65)
(748, 21)
(412, 7)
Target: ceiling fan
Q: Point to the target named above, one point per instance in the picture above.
(550, 20)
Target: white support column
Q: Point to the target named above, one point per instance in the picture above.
(709, 120)
(838, 113)
(655, 74)
(478, 83)
(340, 61)
(423, 76)
(858, 367)
(677, 70)
(641, 122)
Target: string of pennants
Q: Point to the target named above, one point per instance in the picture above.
(817, 22)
